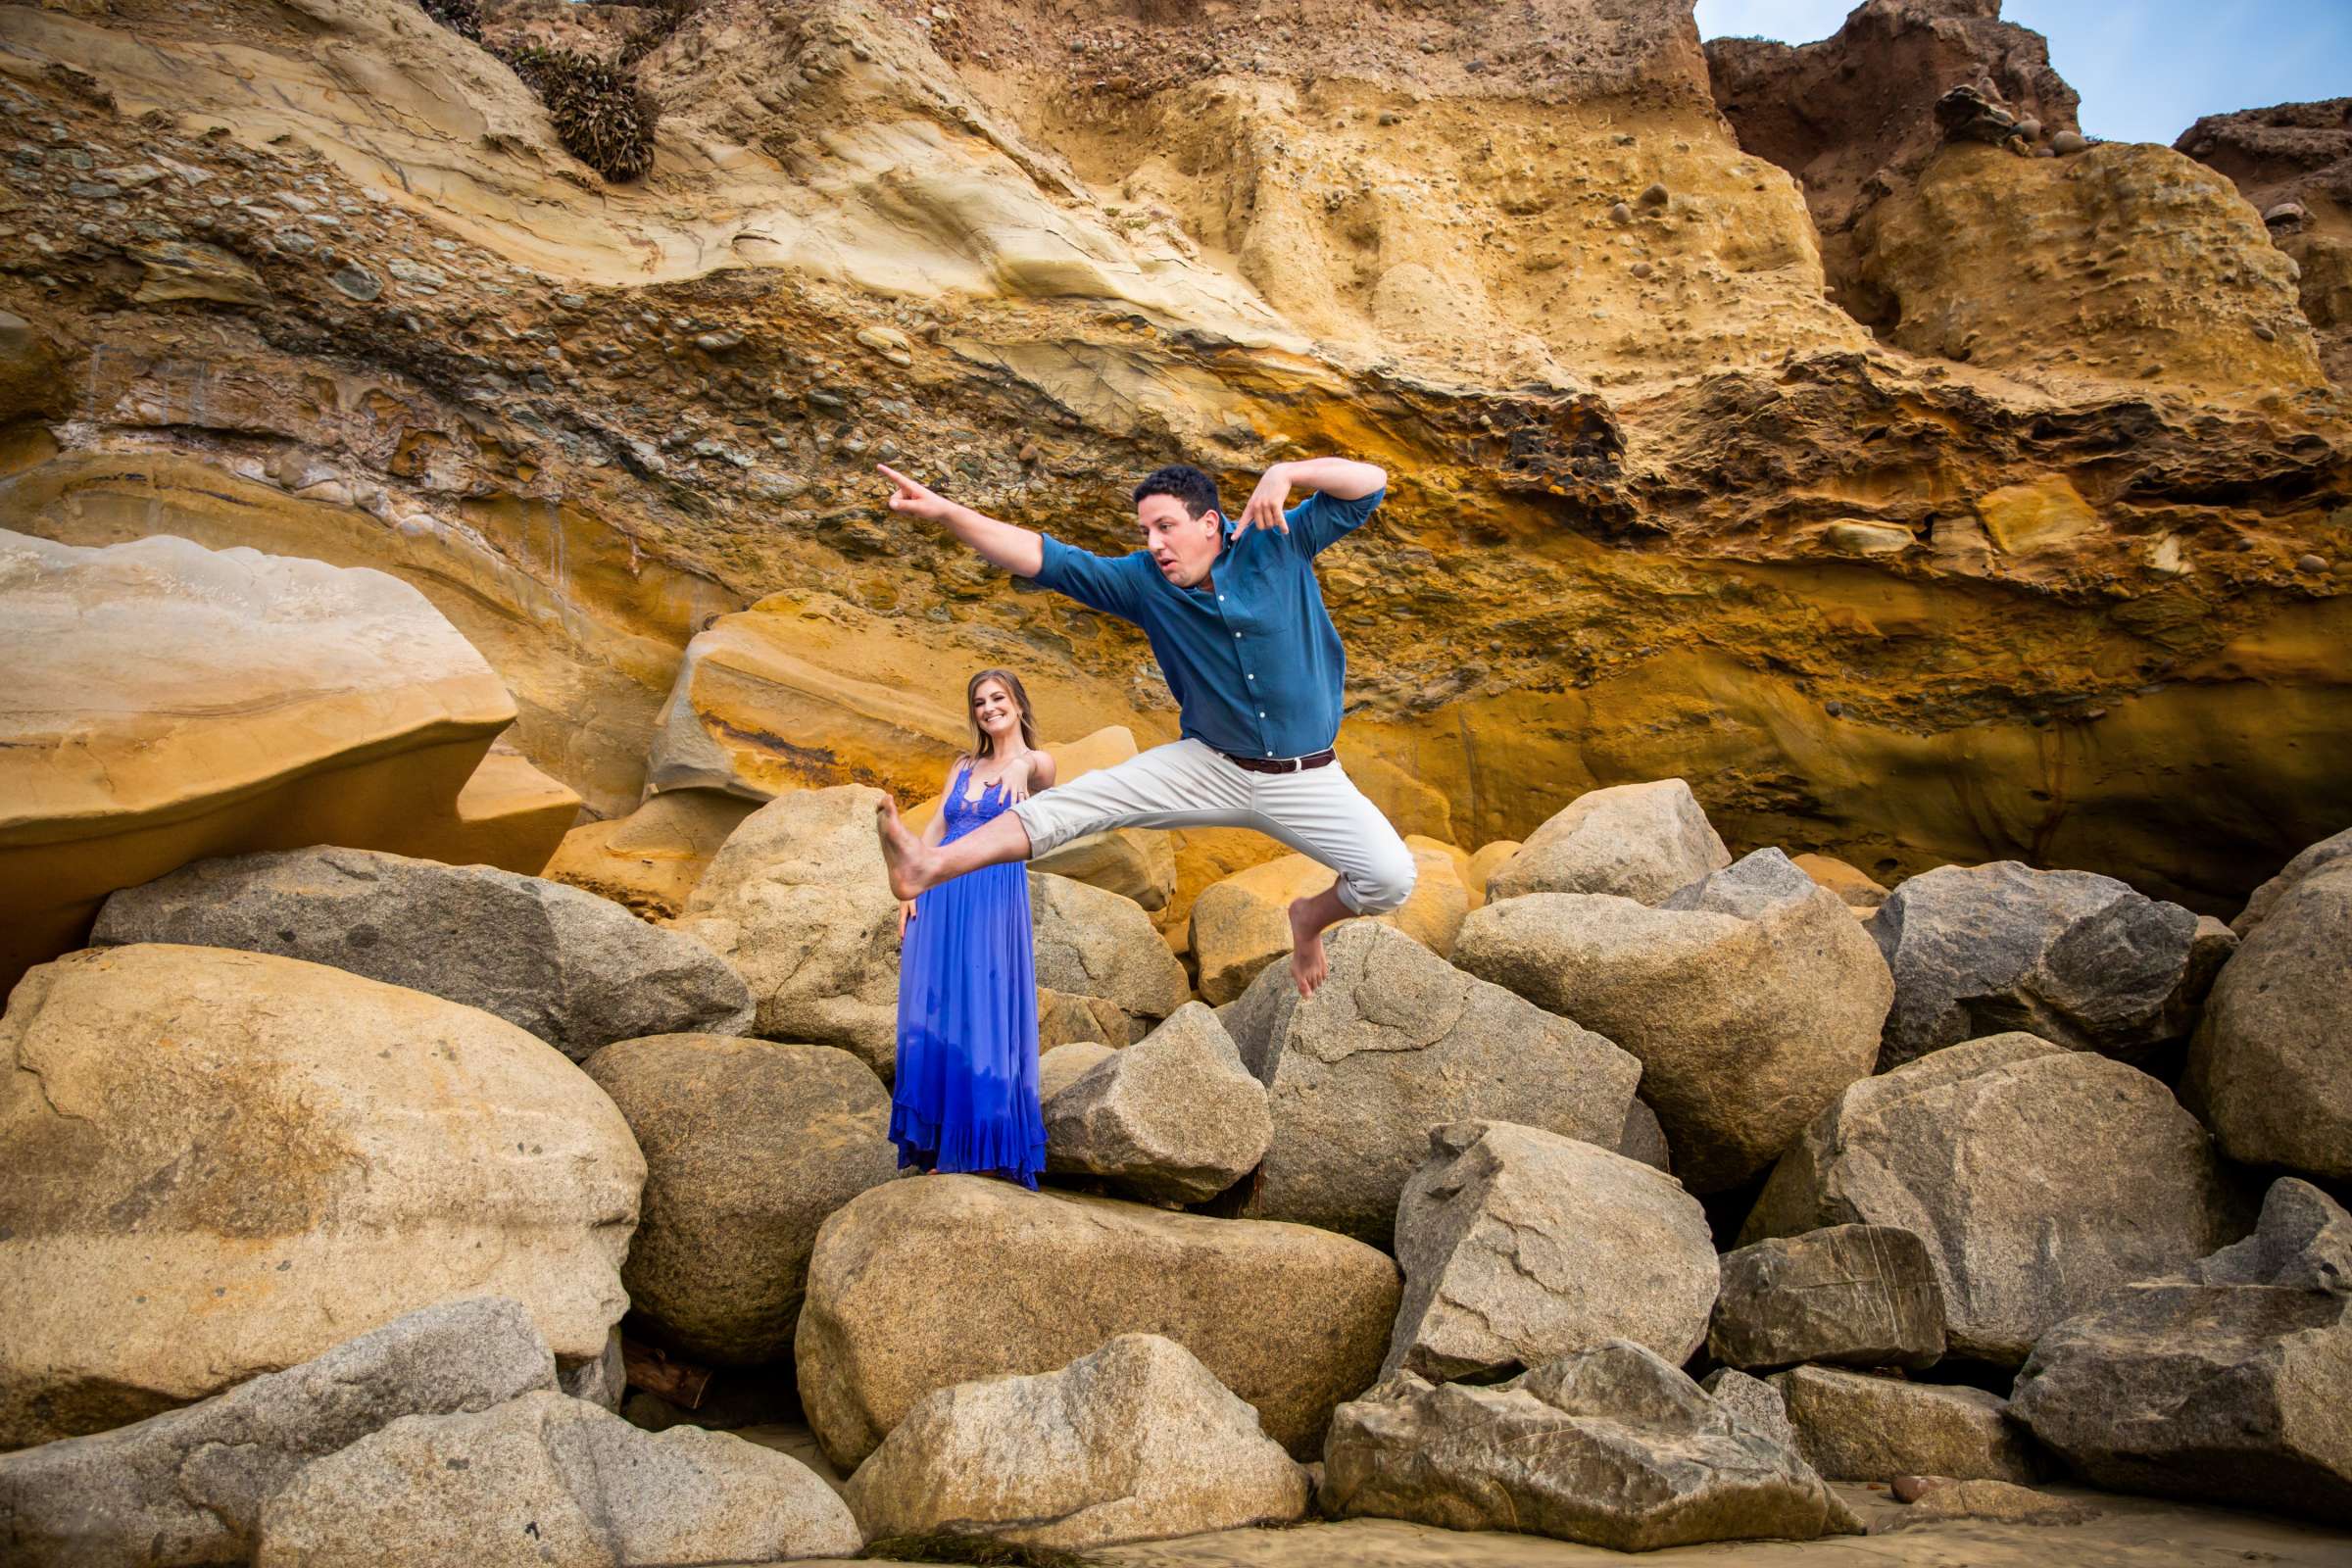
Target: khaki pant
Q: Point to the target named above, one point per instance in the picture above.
(1318, 811)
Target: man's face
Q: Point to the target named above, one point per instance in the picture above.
(1184, 545)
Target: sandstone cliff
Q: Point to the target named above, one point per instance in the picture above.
(2044, 564)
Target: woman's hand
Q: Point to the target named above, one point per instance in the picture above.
(905, 914)
(1264, 509)
(1016, 779)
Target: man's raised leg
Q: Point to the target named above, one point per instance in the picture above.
(915, 865)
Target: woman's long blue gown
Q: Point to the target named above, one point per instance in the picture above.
(966, 1092)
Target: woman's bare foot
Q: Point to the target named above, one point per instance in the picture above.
(903, 853)
(1307, 963)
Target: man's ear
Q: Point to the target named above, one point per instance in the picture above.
(1215, 514)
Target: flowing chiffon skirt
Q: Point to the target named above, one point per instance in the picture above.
(965, 1097)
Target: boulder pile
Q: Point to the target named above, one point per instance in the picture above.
(1438, 1227)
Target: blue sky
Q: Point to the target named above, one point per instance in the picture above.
(2147, 68)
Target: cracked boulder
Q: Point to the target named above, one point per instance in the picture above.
(217, 1164)
(1519, 1245)
(1103, 948)
(1136, 1442)
(1174, 1118)
(2078, 959)
(1398, 1041)
(1609, 1447)
(1848, 1294)
(1752, 996)
(570, 967)
(2229, 1380)
(187, 1487)
(2038, 1179)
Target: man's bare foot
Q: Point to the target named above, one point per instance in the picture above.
(1307, 963)
(902, 852)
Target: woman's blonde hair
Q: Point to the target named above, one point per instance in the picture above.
(983, 744)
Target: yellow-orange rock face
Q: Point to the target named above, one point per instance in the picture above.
(165, 703)
(1659, 506)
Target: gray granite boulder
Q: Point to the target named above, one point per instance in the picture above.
(1063, 1065)
(1609, 1447)
(1854, 1426)
(2038, 1179)
(2328, 852)
(2229, 1380)
(2079, 958)
(1752, 1400)
(1637, 840)
(2271, 1067)
(749, 1145)
(1095, 944)
(548, 1480)
(187, 1487)
(1752, 1000)
(1137, 1442)
(1174, 1118)
(574, 969)
(1396, 1042)
(1848, 1294)
(1520, 1245)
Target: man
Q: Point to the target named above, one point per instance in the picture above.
(1236, 618)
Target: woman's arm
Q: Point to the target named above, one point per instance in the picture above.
(1035, 772)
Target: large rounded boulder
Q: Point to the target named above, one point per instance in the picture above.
(749, 1145)
(1635, 841)
(2039, 1178)
(1751, 998)
(797, 900)
(216, 1165)
(919, 1285)
(2271, 1067)
(2080, 959)
(572, 968)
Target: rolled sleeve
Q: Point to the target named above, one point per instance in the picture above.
(1321, 520)
(1100, 582)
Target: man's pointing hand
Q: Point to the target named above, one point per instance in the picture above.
(1264, 509)
(912, 497)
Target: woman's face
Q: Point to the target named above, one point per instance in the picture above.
(998, 714)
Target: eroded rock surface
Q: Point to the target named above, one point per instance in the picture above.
(1854, 1426)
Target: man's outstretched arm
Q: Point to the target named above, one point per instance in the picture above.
(1338, 479)
(1018, 550)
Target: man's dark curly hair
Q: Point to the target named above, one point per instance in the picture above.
(1188, 484)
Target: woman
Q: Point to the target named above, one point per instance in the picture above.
(967, 1093)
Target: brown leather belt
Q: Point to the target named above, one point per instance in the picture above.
(1279, 765)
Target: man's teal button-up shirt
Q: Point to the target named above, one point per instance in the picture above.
(1252, 658)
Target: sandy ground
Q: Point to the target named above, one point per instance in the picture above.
(2129, 1533)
